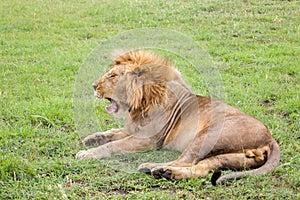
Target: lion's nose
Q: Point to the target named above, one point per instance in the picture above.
(94, 86)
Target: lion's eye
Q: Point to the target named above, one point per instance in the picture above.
(112, 75)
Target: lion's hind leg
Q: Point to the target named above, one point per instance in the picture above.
(182, 171)
(248, 158)
(259, 154)
(148, 167)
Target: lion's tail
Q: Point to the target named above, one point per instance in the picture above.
(272, 162)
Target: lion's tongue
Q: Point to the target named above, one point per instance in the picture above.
(112, 108)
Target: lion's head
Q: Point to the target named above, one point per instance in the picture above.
(136, 82)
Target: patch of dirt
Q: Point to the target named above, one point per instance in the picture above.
(267, 102)
(120, 191)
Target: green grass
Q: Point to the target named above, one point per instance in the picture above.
(254, 44)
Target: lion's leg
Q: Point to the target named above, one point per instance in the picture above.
(249, 158)
(148, 167)
(184, 160)
(177, 173)
(101, 138)
(198, 149)
(128, 144)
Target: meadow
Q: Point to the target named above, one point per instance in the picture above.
(43, 44)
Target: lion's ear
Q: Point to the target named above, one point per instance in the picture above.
(142, 93)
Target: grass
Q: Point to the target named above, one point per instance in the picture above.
(254, 44)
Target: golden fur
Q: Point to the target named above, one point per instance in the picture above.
(161, 112)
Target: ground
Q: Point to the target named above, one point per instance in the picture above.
(254, 44)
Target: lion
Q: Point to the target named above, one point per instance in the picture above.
(161, 112)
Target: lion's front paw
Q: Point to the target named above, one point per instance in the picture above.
(85, 154)
(97, 138)
(88, 141)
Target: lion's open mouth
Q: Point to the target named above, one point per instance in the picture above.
(113, 108)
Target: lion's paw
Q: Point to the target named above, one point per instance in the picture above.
(97, 138)
(147, 167)
(144, 168)
(85, 154)
(160, 172)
